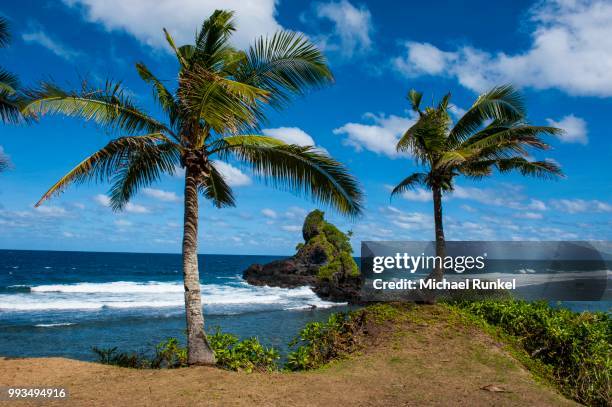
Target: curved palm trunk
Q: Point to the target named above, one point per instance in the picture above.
(199, 350)
(438, 272)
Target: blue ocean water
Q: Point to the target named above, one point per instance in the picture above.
(63, 303)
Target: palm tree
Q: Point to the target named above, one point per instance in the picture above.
(211, 115)
(9, 100)
(492, 134)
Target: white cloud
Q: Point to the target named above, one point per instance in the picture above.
(536, 205)
(102, 200)
(575, 129)
(145, 19)
(291, 228)
(295, 212)
(51, 211)
(130, 207)
(423, 59)
(41, 38)
(581, 205)
(380, 137)
(135, 208)
(269, 213)
(418, 194)
(352, 27)
(290, 135)
(569, 50)
(161, 195)
(233, 176)
(123, 223)
(528, 215)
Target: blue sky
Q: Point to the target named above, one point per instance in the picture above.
(557, 52)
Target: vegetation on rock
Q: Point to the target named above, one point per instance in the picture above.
(326, 245)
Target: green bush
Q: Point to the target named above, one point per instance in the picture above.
(110, 356)
(577, 347)
(321, 342)
(248, 355)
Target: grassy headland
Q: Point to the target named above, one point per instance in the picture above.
(385, 355)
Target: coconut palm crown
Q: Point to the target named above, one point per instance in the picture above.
(212, 113)
(492, 135)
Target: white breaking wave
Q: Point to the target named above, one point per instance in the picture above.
(225, 299)
(54, 325)
(114, 287)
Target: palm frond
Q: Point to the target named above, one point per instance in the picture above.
(179, 55)
(303, 170)
(5, 35)
(162, 95)
(415, 100)
(109, 107)
(139, 168)
(10, 109)
(410, 182)
(286, 64)
(226, 105)
(8, 82)
(106, 162)
(503, 104)
(212, 42)
(215, 188)
(540, 169)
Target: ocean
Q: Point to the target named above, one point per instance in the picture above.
(64, 303)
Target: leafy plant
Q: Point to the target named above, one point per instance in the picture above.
(322, 342)
(577, 347)
(110, 356)
(248, 355)
(169, 354)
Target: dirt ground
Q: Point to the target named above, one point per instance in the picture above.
(428, 361)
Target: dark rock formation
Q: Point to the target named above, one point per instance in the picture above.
(324, 262)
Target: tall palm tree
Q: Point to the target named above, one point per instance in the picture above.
(9, 98)
(492, 134)
(211, 115)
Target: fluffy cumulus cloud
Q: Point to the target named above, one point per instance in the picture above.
(290, 135)
(570, 50)
(233, 176)
(381, 136)
(144, 19)
(161, 195)
(575, 129)
(352, 27)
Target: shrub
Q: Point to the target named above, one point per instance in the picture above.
(322, 342)
(248, 355)
(110, 356)
(575, 346)
(169, 354)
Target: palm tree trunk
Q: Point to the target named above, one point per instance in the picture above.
(438, 272)
(199, 350)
